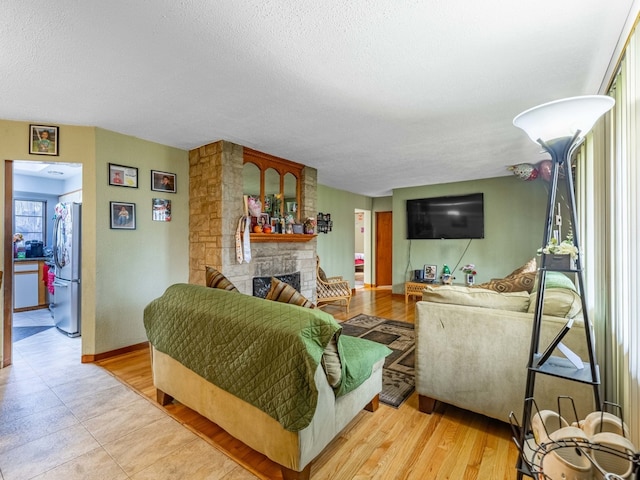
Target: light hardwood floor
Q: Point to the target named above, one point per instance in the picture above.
(388, 444)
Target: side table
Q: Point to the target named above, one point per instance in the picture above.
(414, 289)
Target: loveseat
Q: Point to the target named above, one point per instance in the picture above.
(278, 377)
(472, 350)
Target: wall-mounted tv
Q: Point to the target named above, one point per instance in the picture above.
(458, 216)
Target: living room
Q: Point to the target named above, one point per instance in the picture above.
(124, 270)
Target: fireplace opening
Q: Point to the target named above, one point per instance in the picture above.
(262, 285)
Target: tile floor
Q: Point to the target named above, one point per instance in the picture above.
(61, 419)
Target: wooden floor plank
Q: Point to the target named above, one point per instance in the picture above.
(396, 444)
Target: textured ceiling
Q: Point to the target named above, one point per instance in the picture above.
(375, 94)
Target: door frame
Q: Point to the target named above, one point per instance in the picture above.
(7, 296)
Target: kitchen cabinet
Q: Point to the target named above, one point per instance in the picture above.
(28, 288)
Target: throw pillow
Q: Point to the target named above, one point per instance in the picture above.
(556, 280)
(331, 363)
(558, 302)
(530, 266)
(523, 282)
(477, 297)
(216, 279)
(322, 275)
(285, 293)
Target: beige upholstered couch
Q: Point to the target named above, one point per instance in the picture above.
(472, 349)
(293, 450)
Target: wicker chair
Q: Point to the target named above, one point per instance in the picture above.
(331, 289)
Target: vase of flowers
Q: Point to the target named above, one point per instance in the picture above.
(559, 255)
(469, 273)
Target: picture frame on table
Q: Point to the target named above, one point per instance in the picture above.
(122, 215)
(430, 273)
(43, 139)
(123, 176)
(163, 181)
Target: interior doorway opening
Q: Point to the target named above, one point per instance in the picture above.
(362, 248)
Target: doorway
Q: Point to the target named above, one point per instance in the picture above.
(32, 191)
(362, 248)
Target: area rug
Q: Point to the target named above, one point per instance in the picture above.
(398, 379)
(20, 333)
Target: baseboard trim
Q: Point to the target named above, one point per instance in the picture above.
(113, 353)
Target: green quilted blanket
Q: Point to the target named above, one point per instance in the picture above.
(261, 351)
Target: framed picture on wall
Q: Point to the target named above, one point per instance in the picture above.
(163, 181)
(43, 140)
(122, 215)
(121, 176)
(161, 210)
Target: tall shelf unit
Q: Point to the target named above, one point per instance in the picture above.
(557, 127)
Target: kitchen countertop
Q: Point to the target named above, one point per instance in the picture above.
(32, 259)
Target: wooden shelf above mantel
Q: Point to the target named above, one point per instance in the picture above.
(281, 237)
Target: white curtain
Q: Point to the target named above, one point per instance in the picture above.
(609, 204)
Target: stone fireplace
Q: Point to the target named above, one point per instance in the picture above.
(215, 206)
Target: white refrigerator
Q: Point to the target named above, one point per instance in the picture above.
(66, 256)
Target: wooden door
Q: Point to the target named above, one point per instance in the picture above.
(384, 248)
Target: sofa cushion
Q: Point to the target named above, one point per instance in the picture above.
(521, 282)
(216, 279)
(477, 297)
(558, 302)
(283, 292)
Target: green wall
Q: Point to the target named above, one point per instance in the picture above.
(135, 266)
(514, 222)
(336, 248)
(121, 270)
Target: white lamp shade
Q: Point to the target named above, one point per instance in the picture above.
(563, 118)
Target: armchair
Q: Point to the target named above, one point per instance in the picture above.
(331, 289)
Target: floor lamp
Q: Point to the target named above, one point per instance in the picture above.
(559, 127)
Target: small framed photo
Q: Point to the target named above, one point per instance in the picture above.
(263, 219)
(123, 215)
(298, 228)
(122, 176)
(163, 181)
(430, 273)
(43, 140)
(161, 209)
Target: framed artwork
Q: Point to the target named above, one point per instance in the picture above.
(121, 176)
(122, 215)
(430, 273)
(43, 140)
(163, 181)
(161, 210)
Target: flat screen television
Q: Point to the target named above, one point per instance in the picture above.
(458, 216)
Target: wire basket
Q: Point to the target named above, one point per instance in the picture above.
(601, 457)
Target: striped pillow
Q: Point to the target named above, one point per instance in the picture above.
(285, 293)
(215, 279)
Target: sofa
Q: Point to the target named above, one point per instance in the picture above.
(473, 345)
(279, 377)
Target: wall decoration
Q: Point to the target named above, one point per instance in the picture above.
(122, 176)
(161, 209)
(123, 215)
(43, 140)
(163, 181)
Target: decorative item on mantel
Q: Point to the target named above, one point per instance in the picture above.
(470, 273)
(324, 222)
(309, 226)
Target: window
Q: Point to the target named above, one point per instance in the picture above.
(29, 219)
